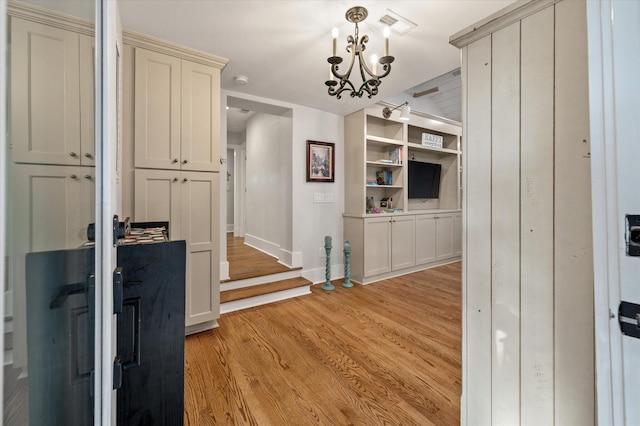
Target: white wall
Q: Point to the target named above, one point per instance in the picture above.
(229, 179)
(310, 222)
(268, 195)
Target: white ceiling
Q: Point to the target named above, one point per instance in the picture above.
(282, 46)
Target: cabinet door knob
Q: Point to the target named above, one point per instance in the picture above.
(185, 180)
(175, 160)
(73, 154)
(185, 161)
(88, 155)
(175, 179)
(88, 177)
(73, 177)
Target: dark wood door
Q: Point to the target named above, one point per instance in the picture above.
(151, 334)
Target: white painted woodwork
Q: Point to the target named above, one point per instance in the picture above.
(457, 234)
(200, 124)
(377, 246)
(87, 101)
(45, 94)
(369, 138)
(177, 113)
(444, 236)
(613, 34)
(505, 224)
(52, 206)
(157, 198)
(536, 218)
(157, 110)
(189, 201)
(199, 227)
(573, 271)
(476, 272)
(403, 236)
(528, 274)
(425, 239)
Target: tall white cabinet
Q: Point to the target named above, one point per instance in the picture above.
(51, 149)
(413, 233)
(172, 139)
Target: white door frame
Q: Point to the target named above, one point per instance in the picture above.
(608, 224)
(108, 35)
(3, 173)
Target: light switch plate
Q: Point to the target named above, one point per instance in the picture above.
(318, 197)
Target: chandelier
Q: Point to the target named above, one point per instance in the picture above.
(339, 83)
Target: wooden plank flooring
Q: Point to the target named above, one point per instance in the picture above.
(247, 262)
(386, 353)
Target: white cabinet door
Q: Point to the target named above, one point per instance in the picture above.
(425, 239)
(444, 236)
(200, 228)
(157, 198)
(200, 124)
(157, 110)
(377, 246)
(457, 234)
(402, 242)
(45, 100)
(87, 96)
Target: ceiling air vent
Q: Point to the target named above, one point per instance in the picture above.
(396, 22)
(244, 111)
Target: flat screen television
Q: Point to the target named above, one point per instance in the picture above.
(424, 179)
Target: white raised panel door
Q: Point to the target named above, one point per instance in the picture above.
(200, 125)
(87, 96)
(425, 239)
(45, 100)
(157, 198)
(200, 228)
(403, 234)
(377, 246)
(444, 236)
(457, 234)
(47, 211)
(157, 110)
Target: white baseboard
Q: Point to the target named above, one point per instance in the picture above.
(290, 259)
(197, 328)
(230, 227)
(317, 275)
(264, 246)
(263, 299)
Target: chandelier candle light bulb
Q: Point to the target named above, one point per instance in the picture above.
(334, 34)
(386, 34)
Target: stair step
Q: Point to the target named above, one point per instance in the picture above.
(258, 290)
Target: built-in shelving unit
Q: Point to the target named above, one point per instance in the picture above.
(412, 233)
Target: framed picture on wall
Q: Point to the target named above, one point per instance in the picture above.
(320, 161)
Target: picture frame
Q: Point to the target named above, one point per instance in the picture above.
(320, 161)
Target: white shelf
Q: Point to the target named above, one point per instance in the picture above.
(383, 164)
(384, 186)
(377, 140)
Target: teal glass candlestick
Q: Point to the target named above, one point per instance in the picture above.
(327, 247)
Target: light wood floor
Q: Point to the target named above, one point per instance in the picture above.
(386, 353)
(247, 262)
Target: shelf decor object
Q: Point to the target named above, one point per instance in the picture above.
(356, 47)
(320, 161)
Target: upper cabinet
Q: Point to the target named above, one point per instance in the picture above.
(177, 113)
(52, 115)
